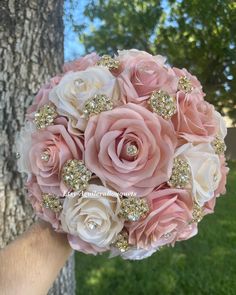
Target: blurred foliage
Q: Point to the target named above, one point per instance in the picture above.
(199, 35)
(203, 265)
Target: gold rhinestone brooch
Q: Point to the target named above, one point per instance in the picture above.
(75, 175)
(163, 104)
(181, 173)
(52, 202)
(185, 84)
(109, 62)
(197, 213)
(133, 208)
(45, 116)
(218, 145)
(122, 242)
(97, 104)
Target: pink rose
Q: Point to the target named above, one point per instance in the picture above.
(167, 221)
(82, 63)
(142, 75)
(110, 136)
(35, 198)
(195, 119)
(42, 97)
(59, 146)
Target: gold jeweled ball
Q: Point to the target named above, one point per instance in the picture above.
(109, 62)
(52, 202)
(45, 116)
(197, 213)
(133, 208)
(75, 175)
(132, 150)
(45, 156)
(218, 145)
(97, 104)
(163, 104)
(122, 242)
(185, 84)
(181, 173)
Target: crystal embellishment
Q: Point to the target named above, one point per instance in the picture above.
(163, 104)
(109, 62)
(185, 84)
(52, 202)
(181, 173)
(122, 242)
(132, 208)
(45, 156)
(45, 116)
(218, 145)
(97, 104)
(132, 150)
(197, 213)
(75, 175)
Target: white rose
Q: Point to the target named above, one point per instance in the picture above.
(93, 217)
(23, 145)
(133, 253)
(75, 88)
(205, 169)
(221, 126)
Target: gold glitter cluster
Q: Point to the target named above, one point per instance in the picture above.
(163, 104)
(97, 104)
(122, 242)
(185, 84)
(50, 201)
(76, 175)
(132, 150)
(181, 173)
(109, 62)
(218, 145)
(197, 213)
(133, 208)
(45, 116)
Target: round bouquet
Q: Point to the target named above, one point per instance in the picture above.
(123, 154)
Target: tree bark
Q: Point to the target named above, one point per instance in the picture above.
(31, 50)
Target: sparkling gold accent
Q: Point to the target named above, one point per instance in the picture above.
(181, 174)
(197, 213)
(132, 150)
(75, 175)
(52, 202)
(109, 62)
(132, 208)
(163, 104)
(45, 116)
(185, 84)
(218, 145)
(97, 104)
(122, 242)
(45, 156)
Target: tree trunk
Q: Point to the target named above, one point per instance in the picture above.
(31, 50)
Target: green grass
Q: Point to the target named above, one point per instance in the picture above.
(206, 264)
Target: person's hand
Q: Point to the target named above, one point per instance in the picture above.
(30, 264)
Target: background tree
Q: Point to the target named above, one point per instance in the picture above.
(31, 50)
(199, 35)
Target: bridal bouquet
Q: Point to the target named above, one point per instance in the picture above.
(123, 154)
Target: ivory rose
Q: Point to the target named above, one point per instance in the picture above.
(195, 119)
(59, 145)
(205, 169)
(108, 137)
(81, 63)
(144, 74)
(93, 217)
(75, 88)
(167, 221)
(133, 253)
